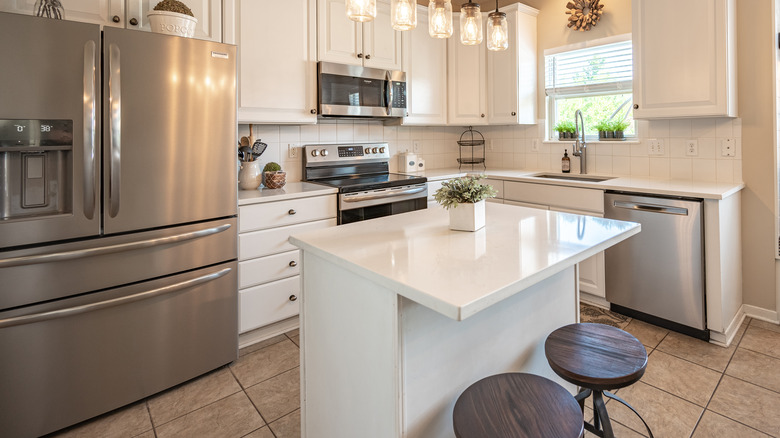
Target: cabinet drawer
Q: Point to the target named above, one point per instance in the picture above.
(274, 241)
(268, 303)
(280, 213)
(527, 204)
(269, 268)
(497, 184)
(555, 196)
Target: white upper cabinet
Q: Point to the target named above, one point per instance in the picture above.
(466, 80)
(130, 14)
(511, 73)
(684, 58)
(373, 44)
(277, 69)
(425, 64)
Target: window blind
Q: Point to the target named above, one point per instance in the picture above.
(593, 70)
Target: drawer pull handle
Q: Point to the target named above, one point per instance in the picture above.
(293, 298)
(291, 212)
(293, 264)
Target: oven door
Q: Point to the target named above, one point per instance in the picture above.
(351, 91)
(359, 206)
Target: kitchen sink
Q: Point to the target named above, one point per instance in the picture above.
(587, 178)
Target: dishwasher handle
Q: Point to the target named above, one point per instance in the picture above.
(651, 208)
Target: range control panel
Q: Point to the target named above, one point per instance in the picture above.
(336, 153)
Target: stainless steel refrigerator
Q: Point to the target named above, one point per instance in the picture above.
(117, 217)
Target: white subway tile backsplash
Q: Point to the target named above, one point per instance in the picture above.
(724, 128)
(289, 134)
(680, 168)
(604, 165)
(725, 170)
(310, 134)
(703, 128)
(659, 167)
(678, 147)
(360, 132)
(640, 166)
(346, 132)
(375, 132)
(329, 133)
(704, 170)
(621, 166)
(680, 128)
(658, 128)
(708, 148)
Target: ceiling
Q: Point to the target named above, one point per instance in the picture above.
(488, 5)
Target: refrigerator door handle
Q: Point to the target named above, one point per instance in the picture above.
(90, 129)
(115, 129)
(130, 246)
(62, 313)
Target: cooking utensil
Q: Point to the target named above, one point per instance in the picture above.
(244, 141)
(258, 148)
(245, 153)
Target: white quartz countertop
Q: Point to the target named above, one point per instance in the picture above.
(692, 189)
(459, 273)
(291, 190)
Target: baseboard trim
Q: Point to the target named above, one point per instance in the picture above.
(594, 300)
(724, 339)
(268, 331)
(761, 313)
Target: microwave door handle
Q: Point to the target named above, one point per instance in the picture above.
(389, 94)
(115, 130)
(90, 129)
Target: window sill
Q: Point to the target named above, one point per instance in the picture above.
(571, 140)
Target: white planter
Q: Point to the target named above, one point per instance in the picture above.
(172, 23)
(468, 217)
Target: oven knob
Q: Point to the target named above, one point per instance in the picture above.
(366, 151)
(313, 152)
(324, 152)
(374, 150)
(381, 150)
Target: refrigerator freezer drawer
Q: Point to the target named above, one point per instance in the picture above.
(58, 271)
(66, 361)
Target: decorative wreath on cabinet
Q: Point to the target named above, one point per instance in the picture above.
(584, 14)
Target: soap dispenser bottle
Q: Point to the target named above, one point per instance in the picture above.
(565, 162)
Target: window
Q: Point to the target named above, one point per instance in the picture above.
(595, 77)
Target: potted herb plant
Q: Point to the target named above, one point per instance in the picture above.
(172, 17)
(464, 198)
(565, 129)
(618, 127)
(604, 128)
(273, 177)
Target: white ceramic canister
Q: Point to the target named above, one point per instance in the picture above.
(250, 175)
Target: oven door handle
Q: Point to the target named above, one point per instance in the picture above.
(71, 311)
(358, 198)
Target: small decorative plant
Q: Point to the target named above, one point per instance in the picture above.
(273, 176)
(620, 125)
(464, 190)
(173, 6)
(172, 17)
(565, 129)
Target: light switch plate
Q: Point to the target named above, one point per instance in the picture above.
(692, 148)
(416, 147)
(535, 145)
(729, 147)
(655, 146)
(292, 151)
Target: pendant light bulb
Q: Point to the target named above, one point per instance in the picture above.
(470, 24)
(498, 31)
(404, 14)
(361, 10)
(440, 18)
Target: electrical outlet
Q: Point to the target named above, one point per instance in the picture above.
(692, 148)
(655, 146)
(416, 146)
(535, 145)
(728, 148)
(292, 150)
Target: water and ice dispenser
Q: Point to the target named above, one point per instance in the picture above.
(35, 168)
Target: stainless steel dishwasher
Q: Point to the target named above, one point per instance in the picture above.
(658, 275)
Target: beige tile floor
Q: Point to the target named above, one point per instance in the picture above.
(691, 389)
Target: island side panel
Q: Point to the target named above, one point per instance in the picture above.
(349, 354)
(442, 357)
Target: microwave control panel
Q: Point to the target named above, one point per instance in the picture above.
(399, 95)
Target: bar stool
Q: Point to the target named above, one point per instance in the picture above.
(597, 358)
(517, 405)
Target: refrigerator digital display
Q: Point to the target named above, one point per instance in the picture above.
(44, 132)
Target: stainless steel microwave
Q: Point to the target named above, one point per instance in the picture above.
(352, 91)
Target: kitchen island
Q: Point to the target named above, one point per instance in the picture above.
(400, 314)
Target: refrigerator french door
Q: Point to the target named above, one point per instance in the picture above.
(118, 240)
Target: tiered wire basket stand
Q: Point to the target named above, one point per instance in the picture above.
(471, 149)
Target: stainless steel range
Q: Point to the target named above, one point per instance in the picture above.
(361, 173)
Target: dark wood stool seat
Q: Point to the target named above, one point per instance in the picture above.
(598, 358)
(517, 405)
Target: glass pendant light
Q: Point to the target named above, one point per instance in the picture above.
(361, 10)
(498, 33)
(440, 18)
(404, 14)
(470, 24)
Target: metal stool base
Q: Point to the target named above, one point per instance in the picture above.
(601, 425)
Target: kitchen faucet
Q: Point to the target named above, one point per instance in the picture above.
(579, 146)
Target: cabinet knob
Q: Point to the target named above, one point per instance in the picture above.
(293, 263)
(636, 106)
(368, 56)
(360, 55)
(291, 212)
(514, 113)
(134, 22)
(116, 19)
(314, 111)
(482, 115)
(293, 298)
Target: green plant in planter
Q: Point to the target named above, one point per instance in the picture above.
(465, 189)
(173, 6)
(603, 126)
(272, 167)
(565, 129)
(620, 125)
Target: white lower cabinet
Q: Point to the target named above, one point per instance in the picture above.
(268, 265)
(575, 200)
